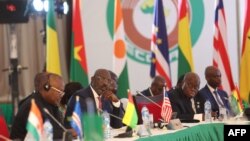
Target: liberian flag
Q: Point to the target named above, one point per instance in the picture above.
(78, 65)
(130, 117)
(35, 123)
(245, 58)
(159, 45)
(76, 123)
(52, 50)
(220, 56)
(120, 59)
(185, 59)
(166, 109)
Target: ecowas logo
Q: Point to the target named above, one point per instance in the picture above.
(138, 20)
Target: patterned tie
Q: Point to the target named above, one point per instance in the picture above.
(99, 103)
(193, 105)
(217, 99)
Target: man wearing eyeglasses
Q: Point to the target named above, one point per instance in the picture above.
(185, 99)
(48, 92)
(98, 90)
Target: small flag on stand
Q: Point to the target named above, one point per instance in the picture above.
(76, 118)
(34, 124)
(130, 117)
(166, 109)
(92, 124)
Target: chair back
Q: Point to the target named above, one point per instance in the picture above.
(140, 101)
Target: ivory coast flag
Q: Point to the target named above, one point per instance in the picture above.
(78, 65)
(245, 58)
(52, 50)
(120, 59)
(130, 117)
(34, 124)
(185, 61)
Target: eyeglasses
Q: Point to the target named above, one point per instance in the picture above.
(59, 91)
(103, 78)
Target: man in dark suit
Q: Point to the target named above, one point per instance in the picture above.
(99, 88)
(185, 100)
(48, 92)
(217, 97)
(156, 87)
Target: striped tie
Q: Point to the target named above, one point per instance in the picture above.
(99, 103)
(218, 99)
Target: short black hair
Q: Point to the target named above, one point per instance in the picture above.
(70, 89)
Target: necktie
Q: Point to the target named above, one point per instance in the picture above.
(193, 106)
(99, 103)
(217, 99)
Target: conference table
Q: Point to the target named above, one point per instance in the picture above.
(190, 132)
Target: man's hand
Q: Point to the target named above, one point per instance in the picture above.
(110, 96)
(73, 132)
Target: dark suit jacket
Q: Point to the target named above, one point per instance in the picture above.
(207, 95)
(18, 130)
(146, 92)
(106, 105)
(183, 105)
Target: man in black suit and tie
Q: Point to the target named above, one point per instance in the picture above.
(185, 100)
(156, 87)
(217, 97)
(99, 88)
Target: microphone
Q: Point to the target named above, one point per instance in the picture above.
(148, 99)
(57, 122)
(100, 110)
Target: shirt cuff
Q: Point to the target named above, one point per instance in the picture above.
(117, 104)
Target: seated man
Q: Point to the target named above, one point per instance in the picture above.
(217, 97)
(99, 88)
(156, 87)
(70, 89)
(48, 93)
(185, 100)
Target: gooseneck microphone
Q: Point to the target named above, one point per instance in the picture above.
(100, 110)
(148, 99)
(57, 122)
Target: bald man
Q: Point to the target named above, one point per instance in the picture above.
(49, 89)
(217, 97)
(156, 87)
(185, 99)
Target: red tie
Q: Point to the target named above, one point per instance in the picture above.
(99, 103)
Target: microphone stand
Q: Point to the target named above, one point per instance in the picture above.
(48, 113)
(148, 99)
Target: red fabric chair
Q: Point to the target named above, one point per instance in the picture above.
(3, 128)
(140, 101)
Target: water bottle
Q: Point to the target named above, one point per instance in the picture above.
(207, 110)
(145, 117)
(48, 130)
(106, 125)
